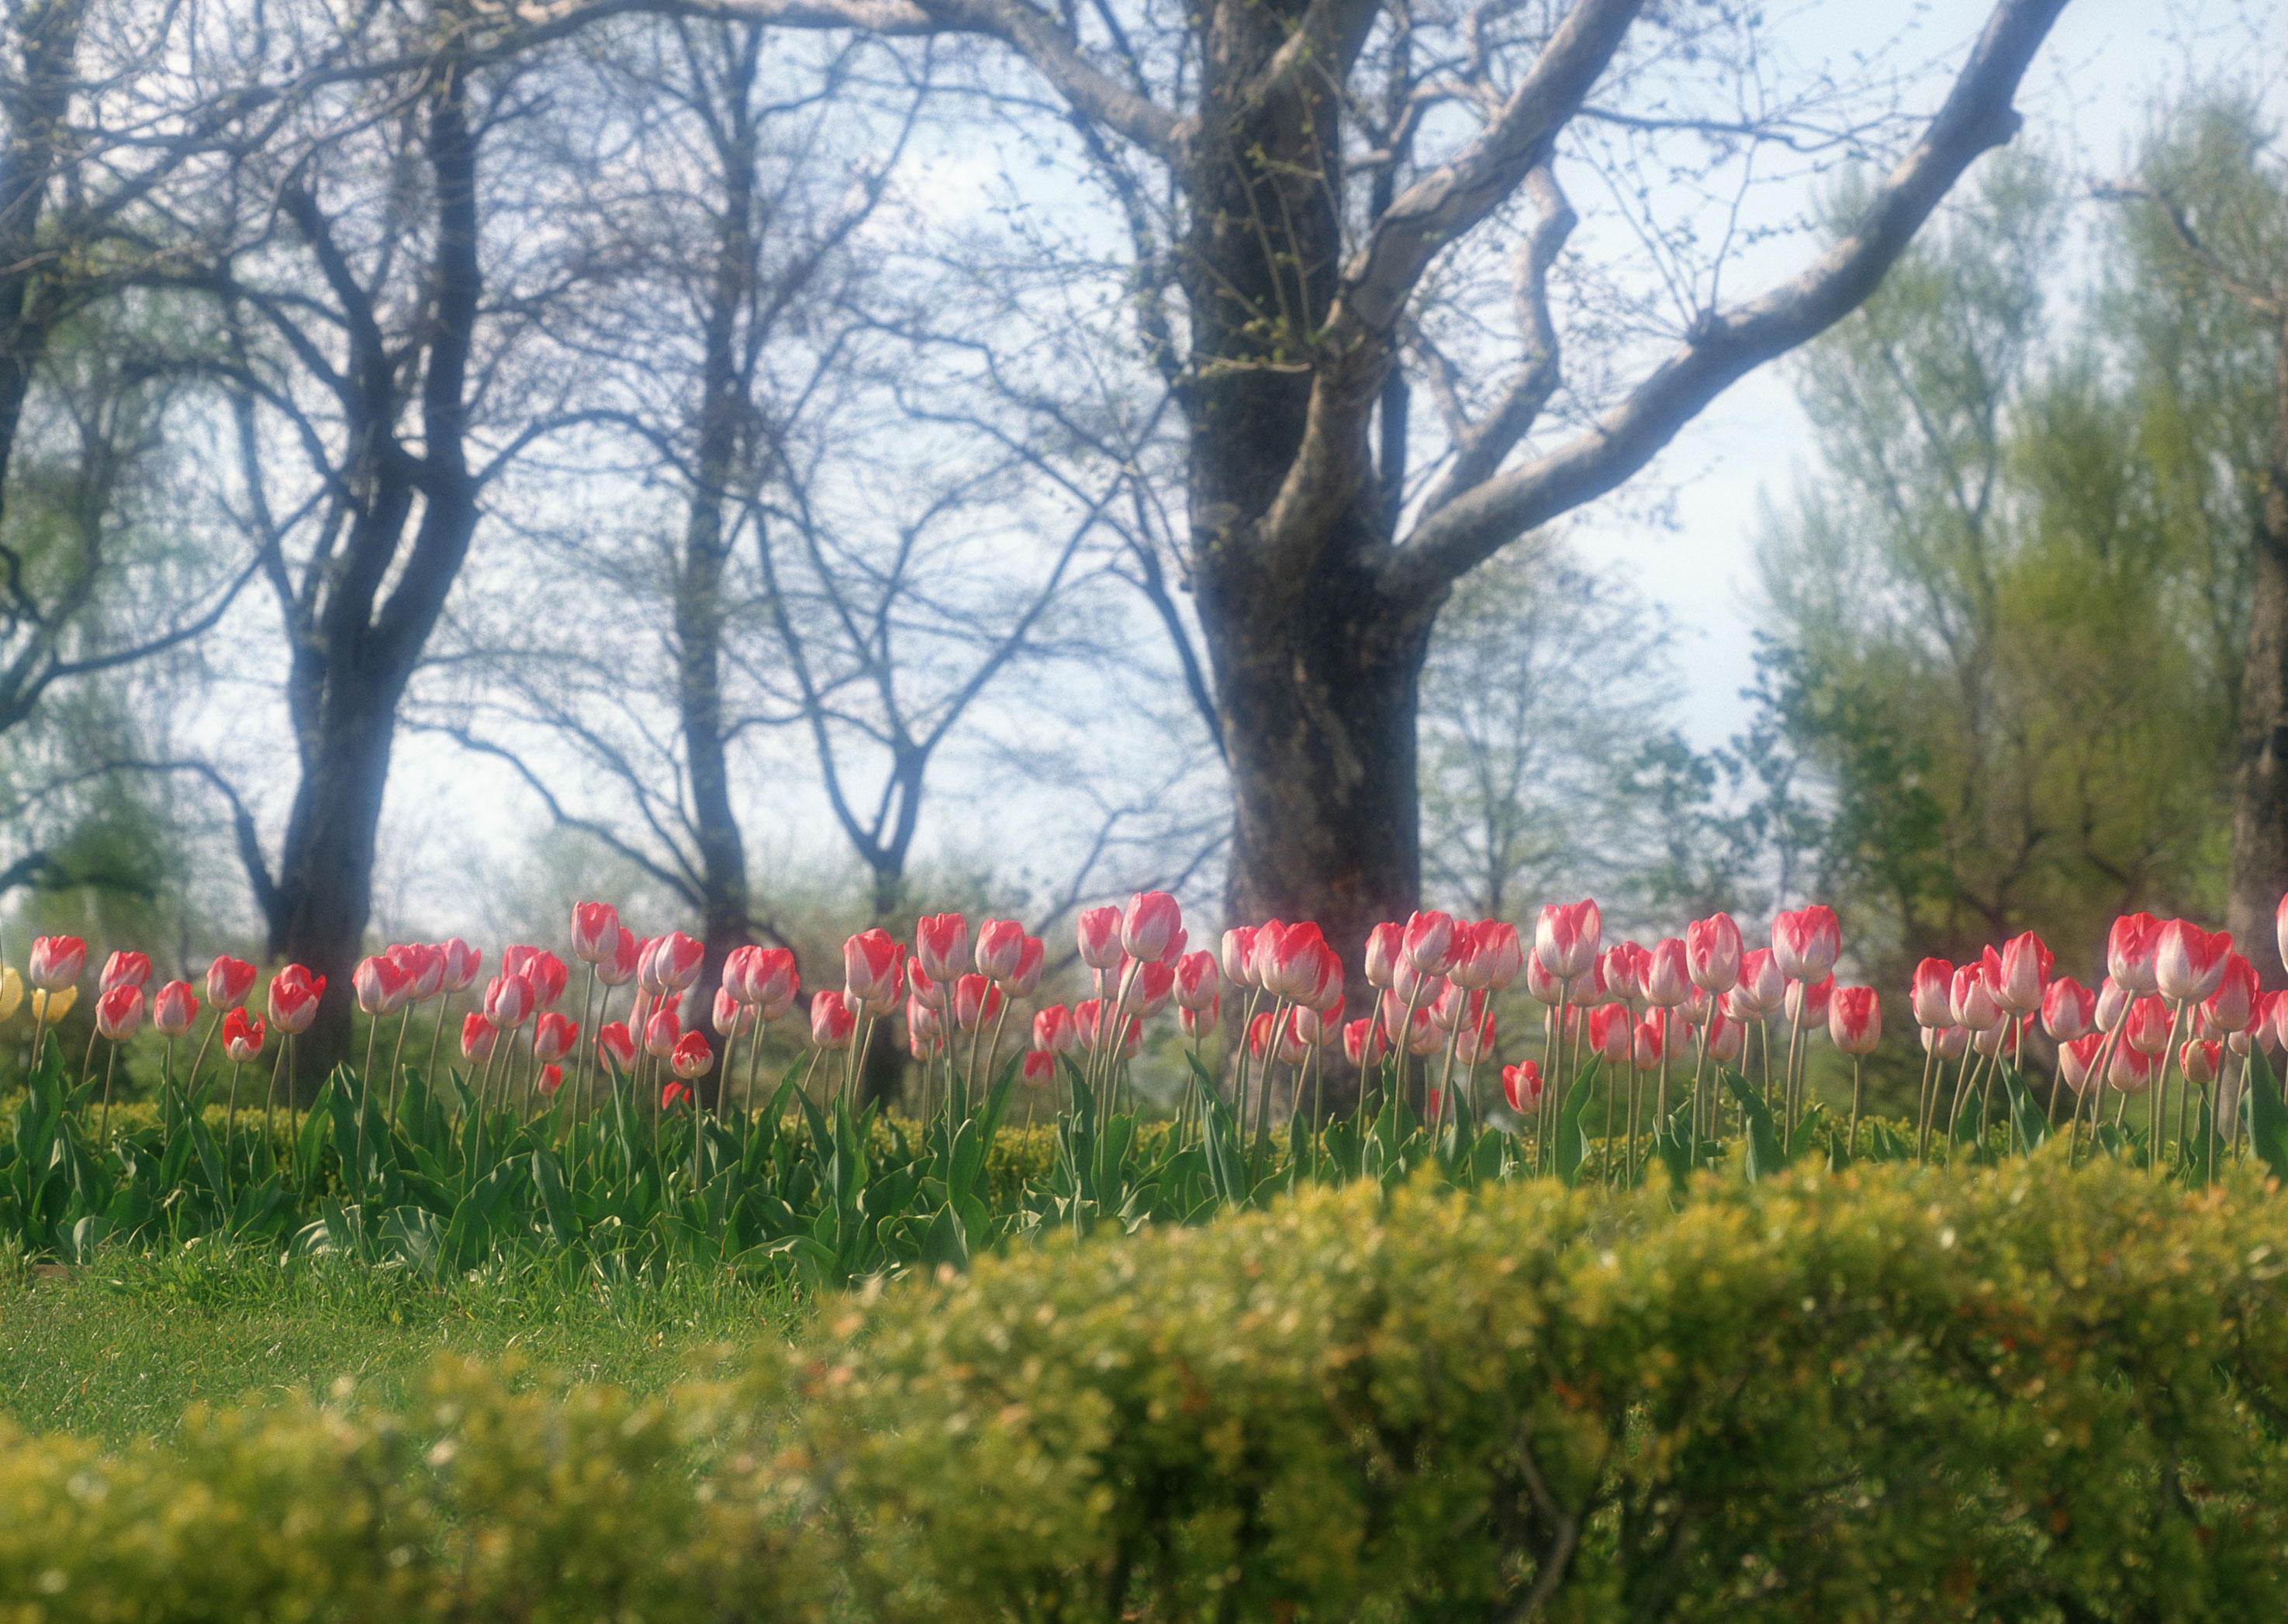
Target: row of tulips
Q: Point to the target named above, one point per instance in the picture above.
(1663, 1037)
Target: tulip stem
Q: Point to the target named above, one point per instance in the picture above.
(1858, 1069)
(396, 1054)
(1791, 1107)
(1923, 1104)
(103, 1122)
(230, 1115)
(444, 1019)
(754, 1064)
(199, 1060)
(87, 1061)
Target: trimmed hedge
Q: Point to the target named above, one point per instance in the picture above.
(2022, 1393)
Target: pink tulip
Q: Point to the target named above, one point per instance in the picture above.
(294, 995)
(1496, 956)
(2133, 1070)
(729, 1017)
(2189, 962)
(553, 1036)
(595, 931)
(123, 968)
(675, 1094)
(242, 1038)
(2232, 1006)
(174, 1009)
(977, 1001)
(616, 1046)
(1625, 964)
(382, 988)
(423, 967)
(661, 1031)
(118, 1013)
(833, 1023)
(1611, 1032)
(1363, 1044)
(2113, 1001)
(1807, 1003)
(57, 963)
(1235, 955)
(921, 990)
(692, 1057)
(508, 1002)
(2201, 1062)
(1650, 1042)
(1146, 986)
(1386, 944)
(1763, 987)
(1947, 1043)
(620, 968)
(1039, 1070)
(1806, 943)
(2077, 1057)
(1933, 999)
(1972, 999)
(773, 981)
(1196, 1024)
(1566, 938)
(2280, 927)
(1854, 1020)
(1086, 1018)
(941, 945)
(228, 982)
(2025, 966)
(1667, 978)
(1098, 932)
(1727, 1038)
(1151, 929)
(462, 963)
(478, 1036)
(1055, 1031)
(1000, 943)
(873, 971)
(1456, 1006)
(1196, 981)
(1428, 942)
(2148, 1030)
(2068, 1010)
(1522, 1086)
(2129, 948)
(1712, 950)
(551, 1079)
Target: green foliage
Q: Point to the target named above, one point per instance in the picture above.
(2028, 1392)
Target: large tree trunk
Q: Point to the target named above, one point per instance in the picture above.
(2259, 788)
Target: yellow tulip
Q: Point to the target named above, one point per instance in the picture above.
(48, 1007)
(12, 992)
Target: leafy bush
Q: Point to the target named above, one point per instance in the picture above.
(2024, 1392)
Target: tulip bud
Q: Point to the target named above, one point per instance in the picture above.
(1522, 1086)
(1000, 943)
(1946, 1042)
(662, 1032)
(2148, 1030)
(616, 970)
(977, 1001)
(124, 969)
(1807, 1003)
(1667, 981)
(1428, 942)
(1566, 937)
(729, 1017)
(553, 1036)
(1972, 999)
(2129, 949)
(2025, 971)
(2068, 1010)
(873, 971)
(2189, 962)
(174, 1009)
(1150, 926)
(1854, 1020)
(1055, 1031)
(1711, 952)
(1039, 1070)
(1384, 945)
(462, 963)
(1933, 993)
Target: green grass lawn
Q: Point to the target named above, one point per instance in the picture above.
(116, 1351)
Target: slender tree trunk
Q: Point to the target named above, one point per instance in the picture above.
(2259, 788)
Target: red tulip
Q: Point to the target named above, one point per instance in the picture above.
(1806, 943)
(1647, 1042)
(2129, 948)
(1099, 929)
(2201, 1062)
(119, 1012)
(1728, 1038)
(1854, 1020)
(1428, 942)
(57, 963)
(549, 976)
(1625, 965)
(174, 1009)
(692, 1055)
(941, 945)
(661, 1032)
(1522, 1086)
(977, 1001)
(871, 969)
(1363, 1044)
(423, 967)
(616, 1045)
(1196, 981)
(1589, 987)
(242, 1038)
(1151, 929)
(1294, 962)
(773, 981)
(1027, 979)
(1055, 1030)
(1456, 1006)
(1198, 1023)
(382, 988)
(1000, 943)
(1933, 999)
(554, 1036)
(738, 967)
(1972, 996)
(922, 990)
(462, 963)
(1476, 1041)
(551, 1078)
(2068, 1010)
(620, 969)
(2113, 1001)
(294, 994)
(1496, 956)
(730, 1018)
(595, 931)
(2148, 1030)
(1540, 986)
(1612, 1031)
(2076, 1057)
(1566, 938)
(2280, 927)
(1039, 1069)
(673, 1095)
(832, 1021)
(123, 968)
(1807, 1003)
(228, 982)
(1713, 949)
(1947, 1043)
(1398, 1027)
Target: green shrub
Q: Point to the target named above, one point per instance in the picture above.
(2024, 1393)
